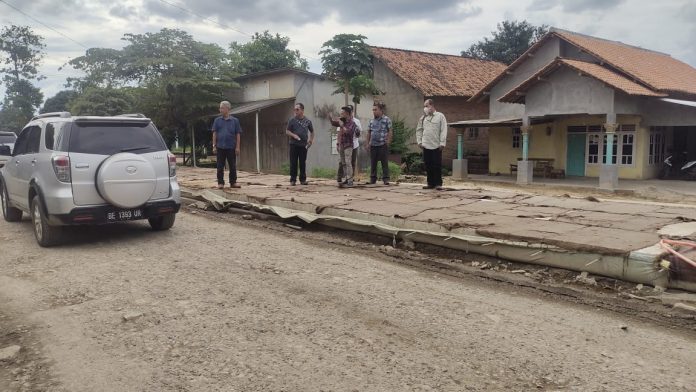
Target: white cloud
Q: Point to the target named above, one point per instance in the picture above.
(449, 26)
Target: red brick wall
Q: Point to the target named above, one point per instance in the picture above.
(458, 109)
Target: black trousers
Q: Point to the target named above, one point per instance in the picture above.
(229, 155)
(298, 155)
(379, 154)
(433, 166)
(353, 161)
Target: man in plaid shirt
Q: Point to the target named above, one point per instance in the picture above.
(344, 144)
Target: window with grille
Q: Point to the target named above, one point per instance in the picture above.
(657, 146)
(516, 136)
(473, 133)
(593, 148)
(623, 149)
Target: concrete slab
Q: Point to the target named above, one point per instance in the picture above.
(573, 223)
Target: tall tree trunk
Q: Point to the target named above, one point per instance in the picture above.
(346, 90)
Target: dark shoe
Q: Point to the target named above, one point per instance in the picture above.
(304, 183)
(386, 182)
(292, 183)
(235, 185)
(370, 182)
(220, 186)
(428, 187)
(438, 188)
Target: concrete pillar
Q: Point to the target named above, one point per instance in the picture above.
(460, 166)
(609, 173)
(525, 167)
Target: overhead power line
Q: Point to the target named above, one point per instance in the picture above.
(184, 9)
(203, 17)
(42, 23)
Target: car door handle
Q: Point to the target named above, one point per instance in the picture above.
(82, 166)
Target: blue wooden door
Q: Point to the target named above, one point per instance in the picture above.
(575, 164)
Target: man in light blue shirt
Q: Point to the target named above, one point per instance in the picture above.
(226, 139)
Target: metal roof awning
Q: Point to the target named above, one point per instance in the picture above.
(487, 122)
(255, 106)
(679, 102)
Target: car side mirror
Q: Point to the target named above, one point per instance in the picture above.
(5, 150)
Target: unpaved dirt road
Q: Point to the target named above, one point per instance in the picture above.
(222, 304)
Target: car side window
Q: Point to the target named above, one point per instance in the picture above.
(53, 135)
(21, 143)
(34, 140)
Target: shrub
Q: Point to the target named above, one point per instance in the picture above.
(401, 136)
(413, 163)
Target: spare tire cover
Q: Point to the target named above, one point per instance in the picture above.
(126, 180)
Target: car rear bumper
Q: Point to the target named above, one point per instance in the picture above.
(97, 215)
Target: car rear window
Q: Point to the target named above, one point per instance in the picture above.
(112, 138)
(7, 139)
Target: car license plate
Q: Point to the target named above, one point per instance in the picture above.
(124, 215)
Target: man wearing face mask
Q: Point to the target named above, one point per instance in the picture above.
(431, 135)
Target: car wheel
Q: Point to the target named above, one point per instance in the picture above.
(46, 235)
(10, 214)
(164, 222)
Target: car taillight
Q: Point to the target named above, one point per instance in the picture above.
(61, 165)
(172, 165)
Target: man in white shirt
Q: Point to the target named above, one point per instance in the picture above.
(431, 135)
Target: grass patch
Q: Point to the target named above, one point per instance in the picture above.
(323, 172)
(394, 171)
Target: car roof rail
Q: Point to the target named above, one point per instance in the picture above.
(134, 115)
(52, 114)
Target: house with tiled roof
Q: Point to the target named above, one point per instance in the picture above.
(578, 105)
(409, 77)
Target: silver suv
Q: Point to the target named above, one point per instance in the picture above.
(67, 170)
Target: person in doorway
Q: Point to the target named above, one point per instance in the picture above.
(379, 137)
(301, 134)
(347, 112)
(344, 145)
(226, 143)
(431, 136)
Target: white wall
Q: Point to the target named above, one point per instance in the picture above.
(543, 56)
(565, 92)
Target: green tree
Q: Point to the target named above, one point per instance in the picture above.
(23, 53)
(97, 101)
(102, 68)
(21, 100)
(59, 102)
(508, 43)
(344, 57)
(264, 52)
(359, 87)
(180, 81)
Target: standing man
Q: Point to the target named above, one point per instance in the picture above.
(226, 136)
(347, 112)
(344, 144)
(379, 137)
(431, 135)
(301, 134)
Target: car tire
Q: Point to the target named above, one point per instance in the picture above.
(10, 214)
(46, 235)
(164, 222)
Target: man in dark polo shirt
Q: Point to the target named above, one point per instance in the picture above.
(301, 134)
(226, 135)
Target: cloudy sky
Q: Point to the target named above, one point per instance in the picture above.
(445, 26)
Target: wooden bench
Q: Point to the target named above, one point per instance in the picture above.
(542, 167)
